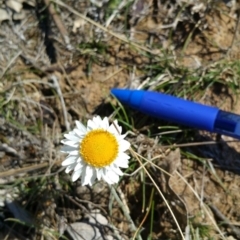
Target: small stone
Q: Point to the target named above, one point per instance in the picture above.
(3, 193)
(31, 3)
(82, 231)
(77, 24)
(97, 217)
(4, 15)
(19, 16)
(14, 5)
(2, 154)
(138, 60)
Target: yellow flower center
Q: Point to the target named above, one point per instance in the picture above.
(99, 148)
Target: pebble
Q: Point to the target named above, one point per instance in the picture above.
(15, 5)
(4, 15)
(82, 231)
(19, 16)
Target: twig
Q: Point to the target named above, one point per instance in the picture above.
(117, 10)
(58, 23)
(59, 92)
(112, 75)
(235, 34)
(159, 191)
(125, 211)
(13, 172)
(203, 205)
(39, 105)
(85, 210)
(118, 36)
(5, 148)
(216, 211)
(150, 204)
(10, 63)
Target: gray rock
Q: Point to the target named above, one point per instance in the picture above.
(83, 231)
(4, 15)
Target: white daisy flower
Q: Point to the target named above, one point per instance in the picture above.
(95, 151)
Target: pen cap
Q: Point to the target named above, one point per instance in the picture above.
(169, 108)
(228, 123)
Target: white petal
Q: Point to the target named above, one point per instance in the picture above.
(94, 175)
(69, 161)
(99, 173)
(67, 149)
(104, 123)
(116, 127)
(91, 124)
(122, 161)
(76, 175)
(70, 133)
(79, 166)
(123, 156)
(80, 126)
(79, 132)
(121, 137)
(97, 120)
(87, 175)
(124, 145)
(106, 177)
(74, 153)
(71, 137)
(113, 129)
(113, 176)
(69, 143)
(70, 168)
(116, 169)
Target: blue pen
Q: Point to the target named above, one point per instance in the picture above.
(181, 111)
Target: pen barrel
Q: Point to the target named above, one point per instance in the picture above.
(178, 110)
